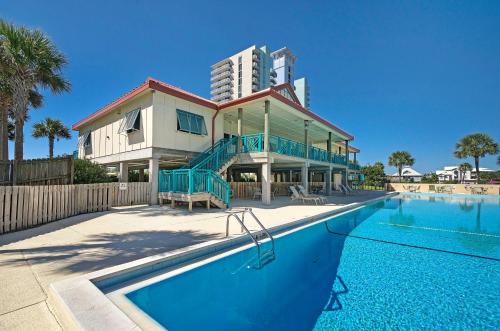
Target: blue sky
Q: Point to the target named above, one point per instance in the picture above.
(399, 75)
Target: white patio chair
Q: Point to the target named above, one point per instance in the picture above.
(296, 196)
(303, 191)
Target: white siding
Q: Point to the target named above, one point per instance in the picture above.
(104, 132)
(165, 130)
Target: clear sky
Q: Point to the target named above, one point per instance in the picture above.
(399, 75)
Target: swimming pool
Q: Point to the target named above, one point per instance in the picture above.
(414, 261)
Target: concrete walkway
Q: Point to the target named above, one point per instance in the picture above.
(32, 259)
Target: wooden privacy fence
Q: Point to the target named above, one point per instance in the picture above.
(22, 207)
(56, 171)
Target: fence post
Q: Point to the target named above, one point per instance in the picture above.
(14, 172)
(72, 170)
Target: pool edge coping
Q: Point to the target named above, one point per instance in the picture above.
(84, 306)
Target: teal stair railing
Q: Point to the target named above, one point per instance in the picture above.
(202, 175)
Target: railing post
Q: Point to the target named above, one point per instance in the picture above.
(190, 181)
(174, 181)
(209, 183)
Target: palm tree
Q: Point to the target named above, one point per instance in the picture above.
(399, 160)
(476, 145)
(463, 168)
(30, 61)
(52, 129)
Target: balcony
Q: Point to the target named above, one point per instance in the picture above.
(255, 143)
(222, 96)
(255, 73)
(273, 73)
(255, 57)
(255, 65)
(224, 67)
(221, 89)
(222, 82)
(273, 81)
(222, 75)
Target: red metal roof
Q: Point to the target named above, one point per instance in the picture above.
(157, 85)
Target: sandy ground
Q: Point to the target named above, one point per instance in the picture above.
(32, 259)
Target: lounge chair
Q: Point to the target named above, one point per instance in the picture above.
(296, 196)
(257, 193)
(274, 193)
(344, 189)
(303, 191)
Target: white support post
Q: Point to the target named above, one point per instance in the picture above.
(123, 176)
(266, 183)
(305, 176)
(240, 128)
(267, 110)
(328, 181)
(153, 179)
(306, 138)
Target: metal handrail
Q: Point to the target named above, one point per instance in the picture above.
(254, 239)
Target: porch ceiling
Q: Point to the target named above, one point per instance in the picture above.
(285, 121)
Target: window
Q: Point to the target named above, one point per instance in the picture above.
(240, 75)
(131, 122)
(192, 123)
(84, 139)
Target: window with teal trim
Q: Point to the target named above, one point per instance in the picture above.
(191, 123)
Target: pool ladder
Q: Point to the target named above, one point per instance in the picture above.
(262, 257)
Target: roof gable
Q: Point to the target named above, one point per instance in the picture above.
(287, 91)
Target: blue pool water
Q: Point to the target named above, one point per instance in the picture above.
(409, 262)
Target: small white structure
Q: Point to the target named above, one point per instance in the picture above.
(450, 173)
(408, 174)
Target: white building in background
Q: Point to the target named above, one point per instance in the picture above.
(302, 91)
(255, 69)
(242, 74)
(450, 173)
(408, 174)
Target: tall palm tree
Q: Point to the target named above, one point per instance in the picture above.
(52, 129)
(30, 62)
(400, 159)
(476, 145)
(463, 168)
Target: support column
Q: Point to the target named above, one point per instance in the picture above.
(153, 179)
(240, 129)
(141, 175)
(306, 138)
(354, 156)
(346, 162)
(290, 179)
(267, 110)
(123, 176)
(266, 183)
(329, 147)
(305, 176)
(328, 181)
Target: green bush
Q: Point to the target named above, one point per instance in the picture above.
(88, 172)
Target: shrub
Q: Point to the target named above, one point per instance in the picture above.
(88, 172)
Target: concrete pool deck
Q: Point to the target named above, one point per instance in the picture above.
(31, 260)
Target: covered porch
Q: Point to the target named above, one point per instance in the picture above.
(280, 143)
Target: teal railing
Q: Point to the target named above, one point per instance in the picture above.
(255, 143)
(195, 181)
(354, 166)
(201, 175)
